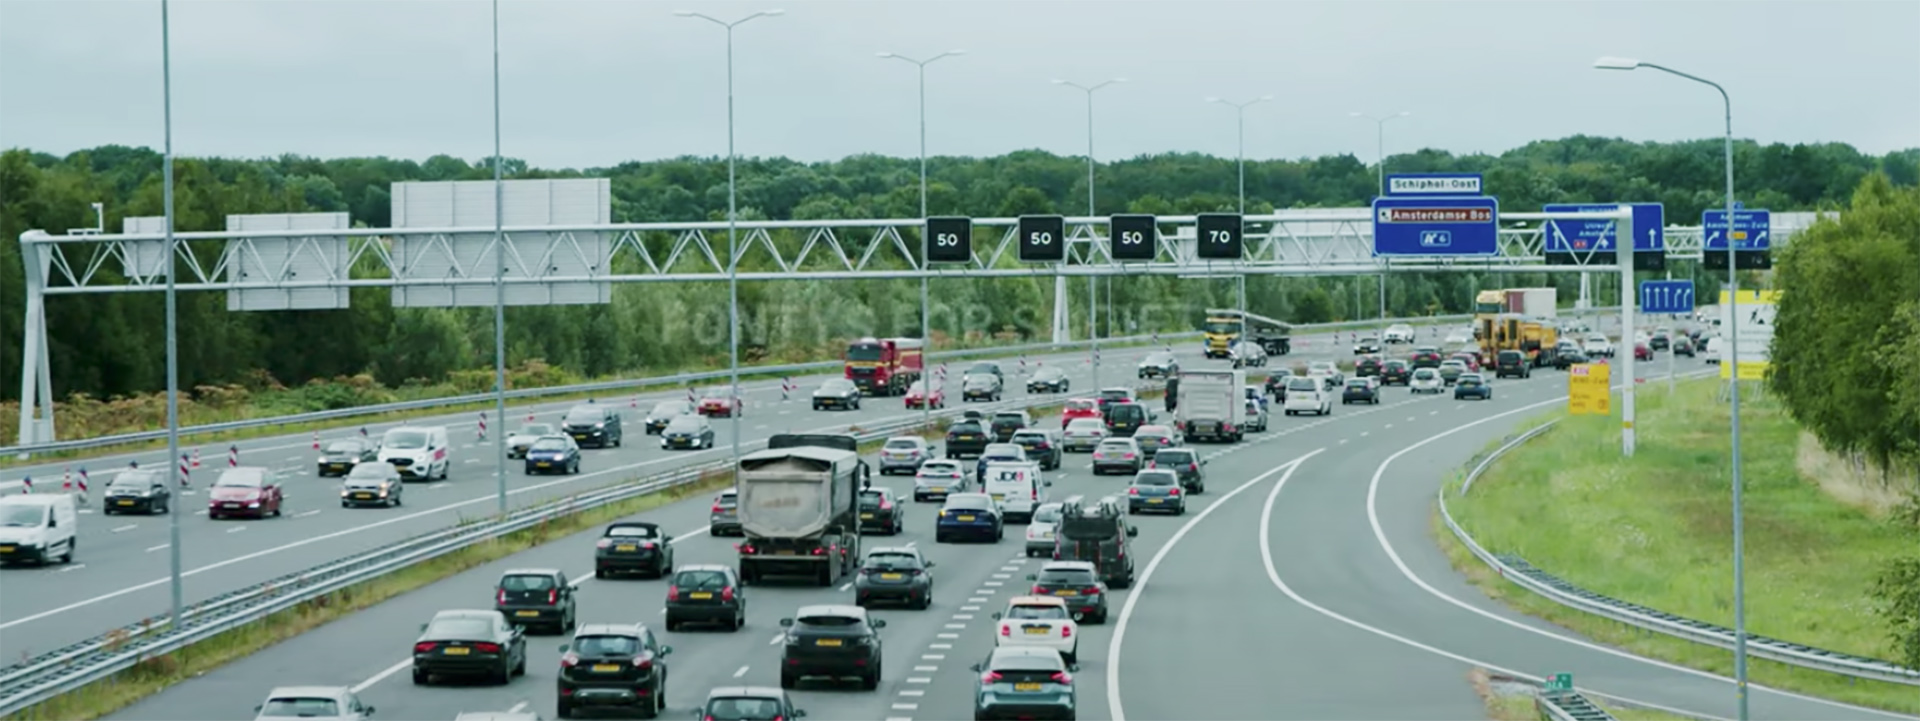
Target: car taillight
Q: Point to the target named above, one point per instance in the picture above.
(1062, 678)
(644, 663)
(425, 646)
(603, 543)
(1036, 493)
(990, 677)
(1037, 591)
(501, 596)
(1175, 492)
(726, 594)
(1195, 467)
(746, 548)
(1133, 491)
(569, 660)
(673, 593)
(717, 508)
(885, 504)
(1066, 632)
(866, 571)
(553, 596)
(819, 552)
(487, 647)
(1129, 456)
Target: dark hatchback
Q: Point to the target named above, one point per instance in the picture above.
(832, 641)
(968, 515)
(469, 643)
(1005, 423)
(880, 512)
(664, 413)
(342, 455)
(1565, 358)
(1396, 373)
(706, 593)
(595, 424)
(1511, 363)
(1360, 390)
(1048, 379)
(1183, 461)
(1368, 366)
(137, 491)
(553, 454)
(1124, 418)
(894, 575)
(1425, 357)
(613, 666)
(1042, 446)
(1078, 584)
(966, 438)
(633, 547)
(1472, 385)
(535, 596)
(1277, 384)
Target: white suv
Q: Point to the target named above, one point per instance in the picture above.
(1041, 621)
(1307, 395)
(1399, 333)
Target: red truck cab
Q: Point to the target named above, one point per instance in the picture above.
(885, 366)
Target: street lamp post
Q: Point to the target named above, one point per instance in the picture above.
(499, 283)
(1733, 361)
(173, 345)
(1380, 173)
(926, 306)
(1093, 296)
(1240, 154)
(733, 235)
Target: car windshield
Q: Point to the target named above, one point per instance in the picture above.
(700, 579)
(1049, 513)
(404, 440)
(22, 516)
(584, 414)
(1037, 613)
(1155, 478)
(1396, 364)
(892, 560)
(902, 444)
(1302, 384)
(300, 707)
(550, 444)
(837, 385)
(343, 447)
(1066, 577)
(634, 532)
(1044, 663)
(606, 646)
(242, 478)
(1369, 340)
(684, 424)
(537, 430)
(460, 628)
(527, 582)
(668, 409)
(1084, 424)
(742, 709)
(138, 480)
(371, 471)
(969, 501)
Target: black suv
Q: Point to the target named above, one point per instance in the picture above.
(1396, 373)
(833, 641)
(1277, 383)
(633, 547)
(1192, 469)
(1368, 366)
(1078, 584)
(706, 593)
(1042, 446)
(1096, 531)
(894, 574)
(535, 596)
(880, 512)
(1005, 423)
(966, 438)
(613, 666)
(1125, 418)
(1511, 363)
(593, 424)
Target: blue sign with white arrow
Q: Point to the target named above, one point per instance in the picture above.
(1749, 232)
(1436, 226)
(1666, 296)
(1597, 236)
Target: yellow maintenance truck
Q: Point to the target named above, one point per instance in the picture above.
(1223, 327)
(1520, 320)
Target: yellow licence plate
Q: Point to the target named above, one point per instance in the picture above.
(544, 464)
(867, 516)
(606, 668)
(1037, 631)
(6, 549)
(827, 642)
(937, 489)
(1066, 592)
(457, 651)
(892, 576)
(999, 496)
(626, 547)
(966, 518)
(1026, 687)
(701, 596)
(126, 503)
(526, 614)
(1153, 500)
(363, 496)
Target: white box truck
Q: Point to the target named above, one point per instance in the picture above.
(1212, 405)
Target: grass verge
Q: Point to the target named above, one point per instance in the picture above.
(1655, 530)
(155, 674)
(1514, 701)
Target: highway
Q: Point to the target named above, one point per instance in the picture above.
(119, 572)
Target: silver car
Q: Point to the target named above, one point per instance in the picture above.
(724, 519)
(313, 702)
(1117, 454)
(904, 453)
(519, 441)
(1083, 434)
(1040, 530)
(937, 478)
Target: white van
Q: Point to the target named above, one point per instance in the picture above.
(419, 452)
(38, 527)
(1017, 487)
(1307, 395)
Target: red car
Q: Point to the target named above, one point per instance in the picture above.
(716, 404)
(1079, 408)
(245, 492)
(1471, 359)
(1642, 352)
(917, 395)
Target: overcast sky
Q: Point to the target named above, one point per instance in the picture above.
(593, 83)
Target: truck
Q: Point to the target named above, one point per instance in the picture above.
(1212, 405)
(798, 508)
(1223, 327)
(1498, 327)
(885, 366)
(1095, 530)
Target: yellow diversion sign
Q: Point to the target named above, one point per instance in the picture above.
(1754, 323)
(1588, 391)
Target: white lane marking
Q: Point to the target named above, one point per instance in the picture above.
(1389, 425)
(1364, 434)
(941, 646)
(1115, 708)
(977, 599)
(899, 718)
(517, 708)
(933, 657)
(382, 676)
(472, 460)
(847, 585)
(236, 529)
(969, 608)
(200, 512)
(73, 567)
(1433, 413)
(956, 625)
(993, 584)
(742, 671)
(1002, 576)
(160, 547)
(926, 669)
(919, 679)
(913, 692)
(943, 635)
(775, 641)
(1343, 441)
(314, 512)
(125, 528)
(963, 617)
(905, 706)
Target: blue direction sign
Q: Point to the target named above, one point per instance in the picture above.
(1750, 228)
(1430, 185)
(1666, 296)
(1596, 236)
(1436, 226)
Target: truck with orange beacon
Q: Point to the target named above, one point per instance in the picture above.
(885, 366)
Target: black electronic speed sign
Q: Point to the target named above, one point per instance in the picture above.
(1218, 236)
(1043, 238)
(949, 239)
(1132, 237)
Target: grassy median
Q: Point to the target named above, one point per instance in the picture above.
(1656, 530)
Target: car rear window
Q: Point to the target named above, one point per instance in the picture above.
(460, 628)
(969, 501)
(1037, 613)
(1066, 577)
(1080, 405)
(1008, 418)
(294, 707)
(606, 646)
(527, 583)
(742, 709)
(1026, 437)
(871, 499)
(1027, 662)
(633, 532)
(965, 427)
(902, 444)
(1174, 456)
(700, 579)
(727, 500)
(1302, 384)
(1155, 478)
(1049, 513)
(892, 560)
(827, 621)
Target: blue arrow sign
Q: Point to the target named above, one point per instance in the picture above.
(1431, 185)
(1596, 236)
(1436, 226)
(1666, 296)
(1750, 229)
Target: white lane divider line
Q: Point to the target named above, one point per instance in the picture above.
(125, 528)
(1364, 434)
(777, 638)
(1389, 425)
(1343, 441)
(1433, 413)
(742, 671)
(920, 680)
(1411, 419)
(73, 567)
(963, 617)
(517, 708)
(941, 646)
(160, 547)
(314, 512)
(899, 718)
(950, 635)
(977, 599)
(956, 625)
(993, 584)
(382, 676)
(933, 657)
(926, 669)
(847, 585)
(1002, 576)
(236, 529)
(200, 512)
(969, 608)
(472, 460)
(905, 706)
(913, 692)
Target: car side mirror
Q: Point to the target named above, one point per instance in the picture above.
(1133, 531)
(256, 709)
(786, 623)
(799, 713)
(974, 668)
(423, 628)
(666, 651)
(1205, 462)
(1073, 668)
(1030, 577)
(666, 539)
(879, 623)
(931, 564)
(995, 616)
(564, 647)
(370, 710)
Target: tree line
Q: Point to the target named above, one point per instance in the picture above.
(111, 345)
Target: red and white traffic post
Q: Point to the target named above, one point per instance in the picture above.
(196, 458)
(483, 425)
(316, 440)
(233, 456)
(186, 471)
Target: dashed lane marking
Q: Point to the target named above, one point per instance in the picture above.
(73, 567)
(944, 635)
(956, 625)
(941, 646)
(742, 671)
(314, 512)
(926, 669)
(775, 641)
(1002, 576)
(969, 608)
(963, 617)
(993, 584)
(125, 528)
(977, 599)
(845, 586)
(913, 692)
(905, 706)
(933, 657)
(160, 547)
(919, 679)
(236, 529)
(517, 708)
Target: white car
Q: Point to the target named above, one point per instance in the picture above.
(1427, 380)
(1083, 434)
(937, 478)
(1040, 621)
(1328, 373)
(1712, 352)
(1598, 345)
(904, 453)
(1307, 395)
(519, 441)
(1399, 333)
(1460, 336)
(313, 702)
(1040, 531)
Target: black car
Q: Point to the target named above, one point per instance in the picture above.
(973, 515)
(613, 666)
(1661, 339)
(1123, 419)
(373, 484)
(469, 643)
(665, 411)
(894, 575)
(1043, 446)
(1368, 366)
(706, 593)
(980, 387)
(535, 596)
(832, 641)
(687, 432)
(1472, 385)
(880, 512)
(1048, 379)
(342, 455)
(1569, 357)
(749, 703)
(1396, 373)
(633, 547)
(592, 423)
(1159, 365)
(1425, 357)
(553, 454)
(1005, 423)
(1682, 345)
(1078, 584)
(837, 393)
(966, 438)
(1360, 390)
(139, 491)
(1511, 363)
(1277, 383)
(1191, 467)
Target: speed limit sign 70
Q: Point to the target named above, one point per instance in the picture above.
(1042, 238)
(1218, 236)
(1132, 237)
(949, 239)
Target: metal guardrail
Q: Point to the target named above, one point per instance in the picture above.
(1568, 706)
(617, 385)
(1518, 571)
(49, 675)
